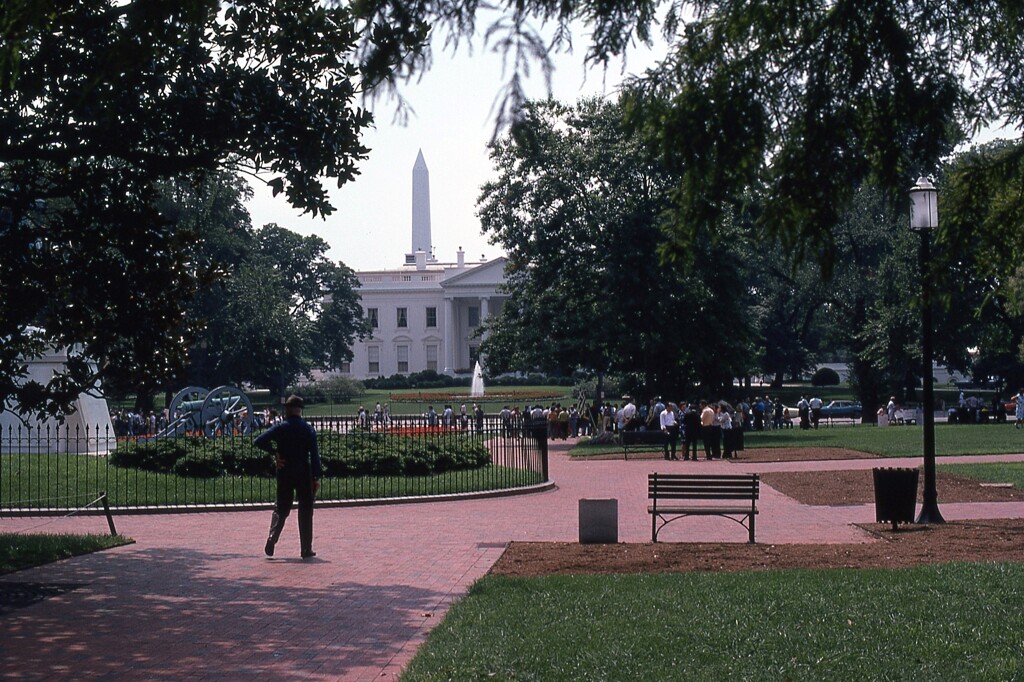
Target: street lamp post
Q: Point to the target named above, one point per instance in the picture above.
(924, 217)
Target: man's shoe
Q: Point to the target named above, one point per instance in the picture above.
(269, 548)
(308, 555)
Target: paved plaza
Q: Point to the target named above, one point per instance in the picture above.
(195, 598)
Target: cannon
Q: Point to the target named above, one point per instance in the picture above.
(194, 410)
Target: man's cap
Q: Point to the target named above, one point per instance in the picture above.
(294, 401)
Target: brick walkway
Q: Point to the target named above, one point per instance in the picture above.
(195, 597)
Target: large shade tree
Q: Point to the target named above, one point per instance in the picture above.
(577, 206)
(981, 252)
(103, 100)
(276, 308)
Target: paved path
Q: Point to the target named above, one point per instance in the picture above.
(195, 598)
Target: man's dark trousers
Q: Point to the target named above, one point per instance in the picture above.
(291, 484)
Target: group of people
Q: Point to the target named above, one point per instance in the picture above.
(448, 419)
(718, 426)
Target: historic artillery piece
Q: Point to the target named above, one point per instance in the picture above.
(194, 410)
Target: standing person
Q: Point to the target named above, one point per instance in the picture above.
(815, 405)
(710, 433)
(293, 442)
(627, 421)
(804, 409)
(478, 416)
(431, 417)
(725, 424)
(691, 432)
(890, 410)
(670, 427)
(1019, 411)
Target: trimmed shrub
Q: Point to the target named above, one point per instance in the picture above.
(825, 376)
(200, 463)
(154, 455)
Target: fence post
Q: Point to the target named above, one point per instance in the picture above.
(106, 509)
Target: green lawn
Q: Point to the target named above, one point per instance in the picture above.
(20, 551)
(948, 622)
(995, 472)
(893, 441)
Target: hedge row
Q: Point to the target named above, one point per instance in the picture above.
(342, 455)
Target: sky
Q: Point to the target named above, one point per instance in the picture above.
(452, 124)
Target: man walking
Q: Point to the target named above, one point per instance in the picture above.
(293, 442)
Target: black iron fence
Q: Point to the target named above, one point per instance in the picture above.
(362, 460)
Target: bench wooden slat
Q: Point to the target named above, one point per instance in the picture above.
(712, 487)
(693, 510)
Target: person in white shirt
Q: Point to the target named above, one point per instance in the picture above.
(710, 432)
(628, 412)
(815, 405)
(890, 410)
(804, 409)
(724, 419)
(670, 427)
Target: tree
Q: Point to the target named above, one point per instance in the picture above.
(981, 248)
(278, 307)
(284, 310)
(100, 102)
(577, 207)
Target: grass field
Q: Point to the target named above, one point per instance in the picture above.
(996, 472)
(893, 441)
(947, 622)
(19, 551)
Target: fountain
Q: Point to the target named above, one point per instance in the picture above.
(476, 389)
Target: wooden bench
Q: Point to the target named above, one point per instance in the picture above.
(734, 488)
(636, 440)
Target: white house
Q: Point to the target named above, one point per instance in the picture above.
(424, 315)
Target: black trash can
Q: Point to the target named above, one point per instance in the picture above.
(895, 495)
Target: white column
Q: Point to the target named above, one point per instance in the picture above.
(485, 311)
(449, 336)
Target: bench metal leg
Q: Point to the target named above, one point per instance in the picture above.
(752, 516)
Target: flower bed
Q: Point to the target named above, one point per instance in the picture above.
(513, 397)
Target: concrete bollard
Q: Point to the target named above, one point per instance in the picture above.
(599, 521)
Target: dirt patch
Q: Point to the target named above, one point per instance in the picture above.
(802, 454)
(752, 455)
(857, 487)
(988, 540)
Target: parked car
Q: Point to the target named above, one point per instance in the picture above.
(842, 409)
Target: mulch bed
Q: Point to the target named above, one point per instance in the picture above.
(752, 455)
(988, 540)
(857, 487)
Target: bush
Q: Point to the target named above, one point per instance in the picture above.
(200, 463)
(337, 389)
(341, 454)
(153, 455)
(825, 376)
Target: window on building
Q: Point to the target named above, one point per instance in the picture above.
(373, 355)
(403, 317)
(432, 357)
(474, 355)
(431, 316)
(346, 368)
(372, 318)
(473, 316)
(403, 358)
